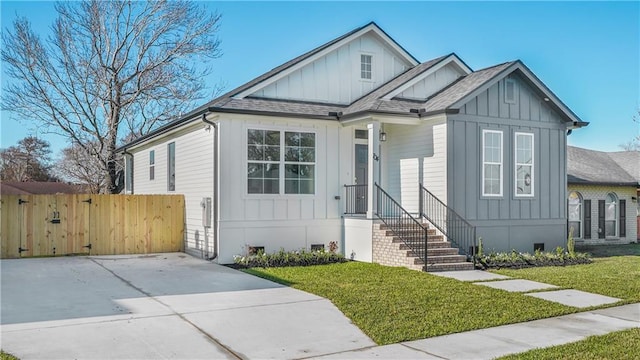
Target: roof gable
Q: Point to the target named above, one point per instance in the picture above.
(338, 58)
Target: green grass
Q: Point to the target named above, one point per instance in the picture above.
(617, 276)
(610, 250)
(392, 305)
(618, 345)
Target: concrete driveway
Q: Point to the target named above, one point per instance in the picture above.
(165, 306)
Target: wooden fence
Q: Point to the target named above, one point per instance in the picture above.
(49, 225)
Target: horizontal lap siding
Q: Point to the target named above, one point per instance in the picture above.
(194, 179)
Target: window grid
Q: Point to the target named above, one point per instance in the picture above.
(152, 163)
(575, 214)
(365, 66)
(280, 162)
(524, 165)
(611, 214)
(491, 163)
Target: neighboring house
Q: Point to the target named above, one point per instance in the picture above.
(36, 188)
(299, 156)
(603, 192)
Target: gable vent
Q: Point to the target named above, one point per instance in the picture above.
(510, 91)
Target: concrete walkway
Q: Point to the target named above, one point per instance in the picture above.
(174, 306)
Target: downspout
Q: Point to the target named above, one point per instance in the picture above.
(215, 185)
(126, 152)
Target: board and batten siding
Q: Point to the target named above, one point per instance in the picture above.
(510, 222)
(287, 221)
(194, 178)
(335, 77)
(414, 154)
(432, 83)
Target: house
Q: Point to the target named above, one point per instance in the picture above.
(36, 187)
(358, 142)
(603, 192)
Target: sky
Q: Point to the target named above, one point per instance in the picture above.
(587, 53)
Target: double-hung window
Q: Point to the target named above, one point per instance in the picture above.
(575, 213)
(524, 169)
(491, 163)
(152, 164)
(280, 162)
(365, 67)
(611, 214)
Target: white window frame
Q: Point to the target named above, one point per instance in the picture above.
(152, 165)
(361, 63)
(501, 163)
(281, 162)
(516, 164)
(580, 213)
(616, 215)
(513, 83)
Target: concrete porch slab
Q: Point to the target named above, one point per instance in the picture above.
(575, 298)
(516, 285)
(470, 275)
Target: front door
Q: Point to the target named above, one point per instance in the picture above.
(361, 176)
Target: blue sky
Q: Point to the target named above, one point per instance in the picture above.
(587, 53)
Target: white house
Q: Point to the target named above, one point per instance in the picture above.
(358, 142)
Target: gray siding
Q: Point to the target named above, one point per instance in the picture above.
(509, 222)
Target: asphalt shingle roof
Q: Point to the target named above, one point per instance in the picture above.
(586, 166)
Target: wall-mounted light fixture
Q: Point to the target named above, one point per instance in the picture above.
(383, 136)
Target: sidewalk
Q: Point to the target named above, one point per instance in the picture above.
(515, 338)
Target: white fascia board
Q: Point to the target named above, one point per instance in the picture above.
(531, 77)
(383, 119)
(161, 137)
(391, 43)
(446, 61)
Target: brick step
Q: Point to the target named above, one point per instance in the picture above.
(432, 252)
(430, 239)
(442, 259)
(450, 267)
(385, 227)
(430, 244)
(430, 232)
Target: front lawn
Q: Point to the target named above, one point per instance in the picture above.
(391, 305)
(618, 345)
(617, 276)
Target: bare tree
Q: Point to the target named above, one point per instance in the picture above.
(29, 160)
(78, 166)
(634, 143)
(110, 68)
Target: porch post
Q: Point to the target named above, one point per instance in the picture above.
(373, 166)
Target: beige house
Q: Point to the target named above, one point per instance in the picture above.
(603, 195)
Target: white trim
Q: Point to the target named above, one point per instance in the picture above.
(616, 216)
(281, 162)
(371, 28)
(444, 62)
(515, 165)
(580, 213)
(371, 65)
(531, 77)
(501, 163)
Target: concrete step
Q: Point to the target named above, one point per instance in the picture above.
(442, 259)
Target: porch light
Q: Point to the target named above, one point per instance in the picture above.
(383, 136)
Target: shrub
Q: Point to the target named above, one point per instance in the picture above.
(289, 258)
(517, 260)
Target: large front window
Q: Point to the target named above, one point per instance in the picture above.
(575, 214)
(524, 164)
(280, 162)
(611, 213)
(491, 163)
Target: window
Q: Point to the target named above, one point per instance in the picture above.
(611, 214)
(491, 163)
(152, 163)
(365, 66)
(575, 214)
(171, 166)
(524, 164)
(280, 162)
(510, 91)
(362, 134)
(128, 173)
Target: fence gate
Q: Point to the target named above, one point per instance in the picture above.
(50, 225)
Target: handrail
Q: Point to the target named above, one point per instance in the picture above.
(355, 199)
(453, 226)
(402, 224)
